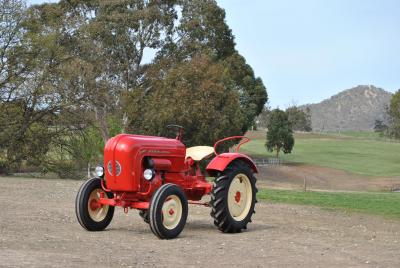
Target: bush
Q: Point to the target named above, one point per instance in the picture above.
(67, 169)
(3, 167)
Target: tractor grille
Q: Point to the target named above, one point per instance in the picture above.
(109, 167)
(118, 168)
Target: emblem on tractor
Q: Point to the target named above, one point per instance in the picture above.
(160, 176)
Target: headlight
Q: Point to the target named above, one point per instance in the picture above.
(148, 174)
(99, 171)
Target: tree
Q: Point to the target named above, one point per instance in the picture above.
(280, 133)
(40, 109)
(73, 71)
(200, 36)
(109, 38)
(64, 67)
(308, 126)
(201, 30)
(263, 118)
(380, 126)
(12, 13)
(197, 94)
(394, 116)
(300, 120)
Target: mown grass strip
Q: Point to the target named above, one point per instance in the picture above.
(384, 204)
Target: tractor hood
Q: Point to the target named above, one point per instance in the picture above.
(123, 158)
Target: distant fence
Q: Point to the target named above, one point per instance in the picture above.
(262, 162)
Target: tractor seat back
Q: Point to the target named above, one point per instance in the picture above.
(198, 153)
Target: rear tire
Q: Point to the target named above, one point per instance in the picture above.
(168, 211)
(233, 198)
(92, 218)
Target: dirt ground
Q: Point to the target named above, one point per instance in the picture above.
(38, 228)
(322, 178)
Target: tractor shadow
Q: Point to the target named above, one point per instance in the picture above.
(207, 226)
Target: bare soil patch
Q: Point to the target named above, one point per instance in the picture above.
(38, 228)
(322, 178)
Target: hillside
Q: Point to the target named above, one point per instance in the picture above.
(353, 109)
(352, 152)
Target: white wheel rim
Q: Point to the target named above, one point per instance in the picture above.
(239, 197)
(172, 212)
(97, 213)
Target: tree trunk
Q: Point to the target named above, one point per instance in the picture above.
(101, 119)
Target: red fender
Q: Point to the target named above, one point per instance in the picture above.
(221, 161)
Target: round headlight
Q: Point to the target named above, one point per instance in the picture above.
(99, 171)
(148, 174)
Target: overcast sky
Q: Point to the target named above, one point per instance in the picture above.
(308, 50)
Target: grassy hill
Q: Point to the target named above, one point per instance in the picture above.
(362, 153)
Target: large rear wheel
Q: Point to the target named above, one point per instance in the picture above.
(233, 198)
(92, 215)
(168, 211)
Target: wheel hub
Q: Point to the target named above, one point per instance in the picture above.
(237, 197)
(94, 204)
(172, 212)
(97, 211)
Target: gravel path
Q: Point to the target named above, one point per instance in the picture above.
(38, 228)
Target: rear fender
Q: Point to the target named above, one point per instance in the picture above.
(221, 161)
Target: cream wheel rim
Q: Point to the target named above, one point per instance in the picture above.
(97, 211)
(172, 212)
(239, 197)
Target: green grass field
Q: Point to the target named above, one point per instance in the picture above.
(384, 204)
(362, 135)
(356, 152)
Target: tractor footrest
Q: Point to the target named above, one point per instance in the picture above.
(124, 203)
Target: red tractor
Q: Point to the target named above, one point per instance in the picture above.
(160, 177)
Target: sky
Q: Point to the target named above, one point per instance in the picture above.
(306, 51)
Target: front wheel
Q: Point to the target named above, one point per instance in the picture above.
(168, 211)
(233, 198)
(92, 215)
(144, 214)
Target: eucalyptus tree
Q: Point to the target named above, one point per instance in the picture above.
(202, 30)
(38, 104)
(111, 39)
(11, 17)
(81, 70)
(200, 36)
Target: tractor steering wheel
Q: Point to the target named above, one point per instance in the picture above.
(179, 134)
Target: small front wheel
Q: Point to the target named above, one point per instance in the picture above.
(92, 215)
(168, 211)
(144, 214)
